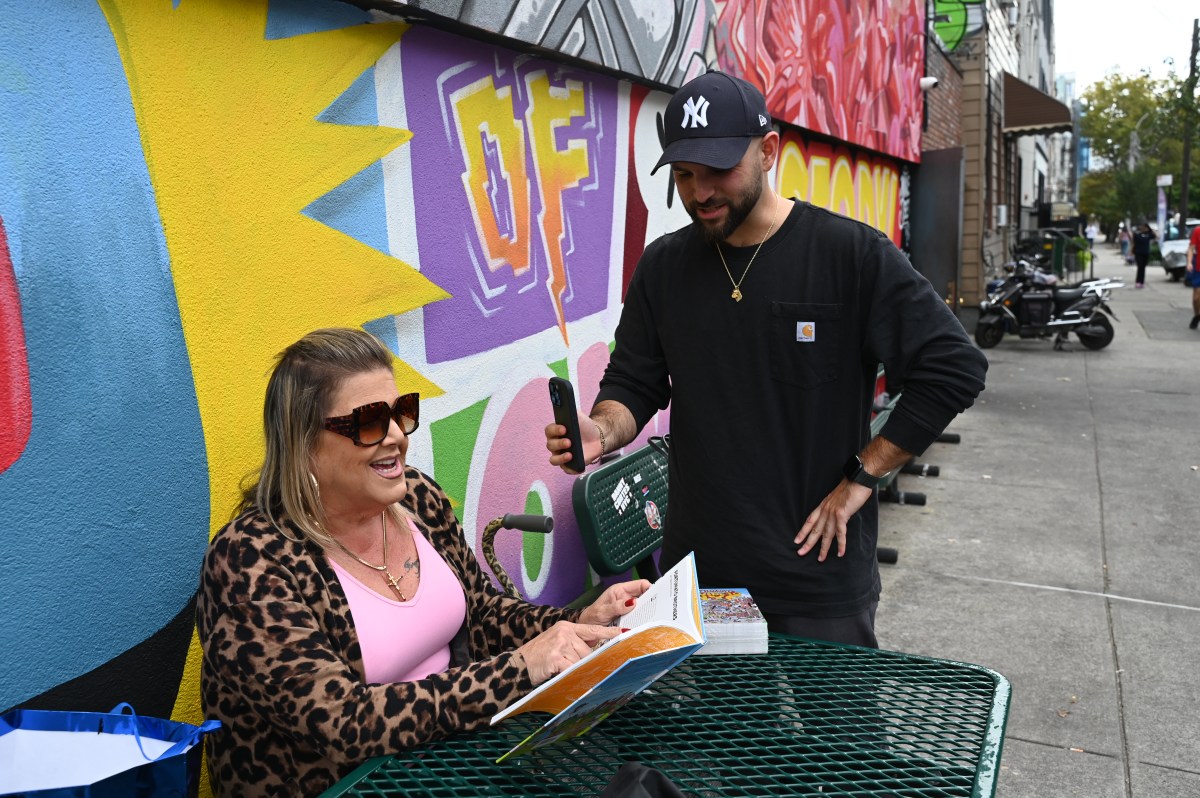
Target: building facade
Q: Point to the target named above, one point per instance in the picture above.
(188, 186)
(1010, 162)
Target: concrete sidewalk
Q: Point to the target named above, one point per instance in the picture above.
(1060, 546)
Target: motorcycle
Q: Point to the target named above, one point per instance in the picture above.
(1029, 303)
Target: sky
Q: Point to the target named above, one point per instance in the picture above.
(1093, 36)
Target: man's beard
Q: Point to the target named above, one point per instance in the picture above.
(739, 209)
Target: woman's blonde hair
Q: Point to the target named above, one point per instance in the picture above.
(299, 393)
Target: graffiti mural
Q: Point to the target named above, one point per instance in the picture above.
(955, 20)
(514, 153)
(14, 366)
(651, 206)
(105, 512)
(307, 165)
(850, 70)
(662, 40)
(837, 178)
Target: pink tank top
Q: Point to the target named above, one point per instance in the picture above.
(406, 641)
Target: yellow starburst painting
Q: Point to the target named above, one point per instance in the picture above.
(230, 130)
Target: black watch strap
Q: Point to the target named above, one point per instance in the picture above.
(854, 471)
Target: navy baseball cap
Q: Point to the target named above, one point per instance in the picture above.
(711, 119)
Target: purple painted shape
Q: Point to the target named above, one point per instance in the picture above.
(434, 65)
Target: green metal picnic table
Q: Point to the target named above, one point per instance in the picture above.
(807, 718)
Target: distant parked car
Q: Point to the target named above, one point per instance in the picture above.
(1174, 250)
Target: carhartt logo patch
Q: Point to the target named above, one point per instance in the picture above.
(806, 331)
(695, 110)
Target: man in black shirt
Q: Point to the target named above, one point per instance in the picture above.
(762, 324)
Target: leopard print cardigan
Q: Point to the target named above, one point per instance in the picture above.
(283, 672)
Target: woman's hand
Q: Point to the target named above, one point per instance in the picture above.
(614, 602)
(561, 646)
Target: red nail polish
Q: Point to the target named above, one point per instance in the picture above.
(623, 630)
(628, 602)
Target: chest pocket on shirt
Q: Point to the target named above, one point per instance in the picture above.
(805, 345)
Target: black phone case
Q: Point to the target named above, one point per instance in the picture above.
(562, 399)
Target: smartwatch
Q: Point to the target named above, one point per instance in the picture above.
(854, 471)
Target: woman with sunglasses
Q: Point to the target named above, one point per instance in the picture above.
(342, 613)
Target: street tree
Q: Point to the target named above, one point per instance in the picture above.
(1135, 125)
(1118, 108)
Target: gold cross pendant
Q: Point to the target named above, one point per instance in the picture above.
(737, 295)
(395, 585)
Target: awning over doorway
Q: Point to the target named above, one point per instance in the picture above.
(1028, 110)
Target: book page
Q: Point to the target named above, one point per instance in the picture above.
(668, 601)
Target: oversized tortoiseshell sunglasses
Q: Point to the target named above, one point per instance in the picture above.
(368, 425)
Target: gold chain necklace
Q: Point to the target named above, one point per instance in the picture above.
(392, 581)
(737, 286)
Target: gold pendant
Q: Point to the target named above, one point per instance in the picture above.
(394, 583)
(737, 295)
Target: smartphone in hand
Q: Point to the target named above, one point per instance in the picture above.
(562, 399)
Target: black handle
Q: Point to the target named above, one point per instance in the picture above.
(528, 523)
(920, 469)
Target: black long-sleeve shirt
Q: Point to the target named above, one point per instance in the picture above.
(771, 395)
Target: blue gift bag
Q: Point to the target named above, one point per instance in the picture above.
(49, 754)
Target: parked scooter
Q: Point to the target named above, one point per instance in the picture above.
(1028, 303)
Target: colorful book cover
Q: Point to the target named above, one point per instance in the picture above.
(665, 628)
(733, 622)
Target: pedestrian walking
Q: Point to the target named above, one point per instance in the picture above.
(1141, 251)
(1123, 239)
(1192, 275)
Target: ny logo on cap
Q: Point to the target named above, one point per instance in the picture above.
(695, 109)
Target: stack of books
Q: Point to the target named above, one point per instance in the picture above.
(733, 623)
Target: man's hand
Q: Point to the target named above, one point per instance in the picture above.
(829, 520)
(559, 445)
(611, 416)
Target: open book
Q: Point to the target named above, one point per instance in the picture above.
(665, 628)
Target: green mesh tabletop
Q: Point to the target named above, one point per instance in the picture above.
(805, 719)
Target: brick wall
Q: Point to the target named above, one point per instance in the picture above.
(943, 105)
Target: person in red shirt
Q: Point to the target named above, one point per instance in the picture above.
(1192, 277)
